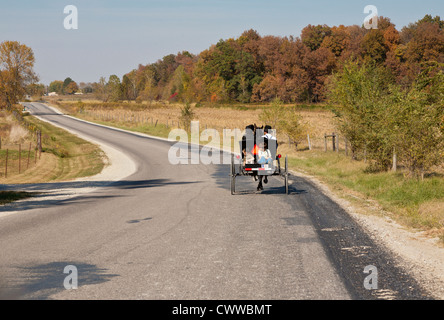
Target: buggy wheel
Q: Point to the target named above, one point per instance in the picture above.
(286, 175)
(233, 176)
(233, 185)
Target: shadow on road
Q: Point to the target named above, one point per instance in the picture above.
(39, 282)
(245, 185)
(124, 184)
(63, 193)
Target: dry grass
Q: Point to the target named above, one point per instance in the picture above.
(320, 121)
(64, 156)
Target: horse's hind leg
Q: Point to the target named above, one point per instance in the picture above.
(259, 186)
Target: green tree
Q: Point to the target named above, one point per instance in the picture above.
(100, 90)
(313, 36)
(36, 89)
(56, 86)
(229, 64)
(273, 114)
(186, 116)
(360, 93)
(293, 127)
(114, 88)
(374, 46)
(66, 83)
(420, 124)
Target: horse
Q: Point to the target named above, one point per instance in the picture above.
(255, 129)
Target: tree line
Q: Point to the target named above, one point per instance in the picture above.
(255, 68)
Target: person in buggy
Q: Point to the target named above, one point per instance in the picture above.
(248, 145)
(268, 136)
(264, 155)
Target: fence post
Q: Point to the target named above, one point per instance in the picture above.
(6, 165)
(325, 142)
(309, 142)
(39, 140)
(333, 142)
(20, 158)
(29, 155)
(337, 139)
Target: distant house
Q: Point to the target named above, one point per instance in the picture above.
(52, 94)
(78, 93)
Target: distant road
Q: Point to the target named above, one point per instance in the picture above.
(175, 232)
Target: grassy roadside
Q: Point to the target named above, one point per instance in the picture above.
(64, 157)
(413, 203)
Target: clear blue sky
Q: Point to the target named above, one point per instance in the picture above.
(114, 36)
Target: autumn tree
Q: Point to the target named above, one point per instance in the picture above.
(313, 36)
(129, 86)
(36, 89)
(85, 87)
(427, 43)
(285, 76)
(99, 89)
(255, 68)
(318, 65)
(113, 88)
(374, 46)
(337, 41)
(71, 88)
(16, 71)
(66, 83)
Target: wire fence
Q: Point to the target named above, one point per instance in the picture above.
(18, 158)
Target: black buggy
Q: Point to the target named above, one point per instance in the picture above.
(241, 167)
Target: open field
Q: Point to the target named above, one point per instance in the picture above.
(64, 156)
(320, 120)
(416, 204)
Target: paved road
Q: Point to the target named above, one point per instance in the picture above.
(175, 232)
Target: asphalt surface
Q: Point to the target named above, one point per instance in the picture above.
(176, 232)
